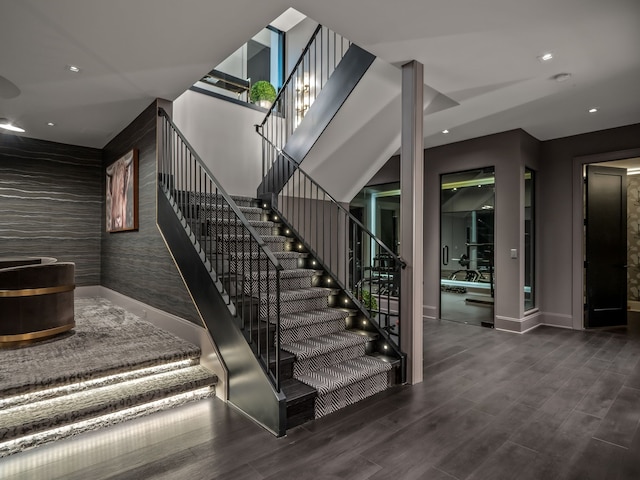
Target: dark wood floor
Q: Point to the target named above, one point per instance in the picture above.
(551, 404)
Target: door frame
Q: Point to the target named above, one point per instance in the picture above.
(577, 262)
(495, 232)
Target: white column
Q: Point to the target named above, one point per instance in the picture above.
(411, 215)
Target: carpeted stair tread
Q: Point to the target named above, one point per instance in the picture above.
(105, 341)
(247, 237)
(244, 200)
(39, 416)
(310, 317)
(260, 254)
(85, 384)
(292, 273)
(290, 279)
(224, 207)
(218, 198)
(300, 294)
(343, 374)
(231, 221)
(213, 210)
(323, 344)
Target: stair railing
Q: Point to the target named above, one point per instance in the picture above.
(235, 255)
(361, 264)
(317, 62)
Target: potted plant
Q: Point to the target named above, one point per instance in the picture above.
(263, 94)
(367, 300)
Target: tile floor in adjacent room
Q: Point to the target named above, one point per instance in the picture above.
(550, 404)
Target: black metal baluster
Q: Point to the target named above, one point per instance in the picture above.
(277, 331)
(250, 299)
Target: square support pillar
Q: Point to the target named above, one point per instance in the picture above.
(411, 215)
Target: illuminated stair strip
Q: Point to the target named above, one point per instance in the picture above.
(53, 392)
(30, 420)
(58, 433)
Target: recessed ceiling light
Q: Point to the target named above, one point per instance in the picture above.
(73, 68)
(51, 124)
(593, 110)
(545, 57)
(445, 131)
(561, 77)
(7, 125)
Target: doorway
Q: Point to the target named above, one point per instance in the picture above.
(467, 219)
(611, 242)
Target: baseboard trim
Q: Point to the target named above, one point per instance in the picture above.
(518, 325)
(429, 312)
(633, 305)
(557, 320)
(533, 321)
(557, 326)
(88, 291)
(172, 323)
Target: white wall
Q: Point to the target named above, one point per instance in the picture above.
(223, 134)
(236, 63)
(296, 39)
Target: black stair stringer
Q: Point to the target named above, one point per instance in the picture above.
(250, 390)
(344, 79)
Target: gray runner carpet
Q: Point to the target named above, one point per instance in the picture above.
(106, 340)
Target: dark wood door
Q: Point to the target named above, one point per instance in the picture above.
(606, 246)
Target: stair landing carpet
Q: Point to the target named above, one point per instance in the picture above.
(106, 340)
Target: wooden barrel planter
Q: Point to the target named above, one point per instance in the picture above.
(36, 299)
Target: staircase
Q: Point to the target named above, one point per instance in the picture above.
(324, 364)
(300, 298)
(73, 384)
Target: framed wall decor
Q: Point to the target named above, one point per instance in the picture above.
(121, 201)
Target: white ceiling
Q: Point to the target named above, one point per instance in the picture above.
(480, 53)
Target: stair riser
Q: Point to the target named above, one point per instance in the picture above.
(103, 379)
(294, 306)
(286, 370)
(218, 212)
(343, 397)
(240, 246)
(263, 265)
(26, 443)
(291, 335)
(45, 422)
(213, 199)
(227, 228)
(302, 367)
(255, 288)
(285, 284)
(292, 283)
(204, 231)
(223, 267)
(300, 413)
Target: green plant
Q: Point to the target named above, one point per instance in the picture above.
(367, 300)
(262, 90)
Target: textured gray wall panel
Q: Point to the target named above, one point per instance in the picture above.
(51, 203)
(138, 264)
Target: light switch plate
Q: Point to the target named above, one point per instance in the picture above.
(514, 253)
